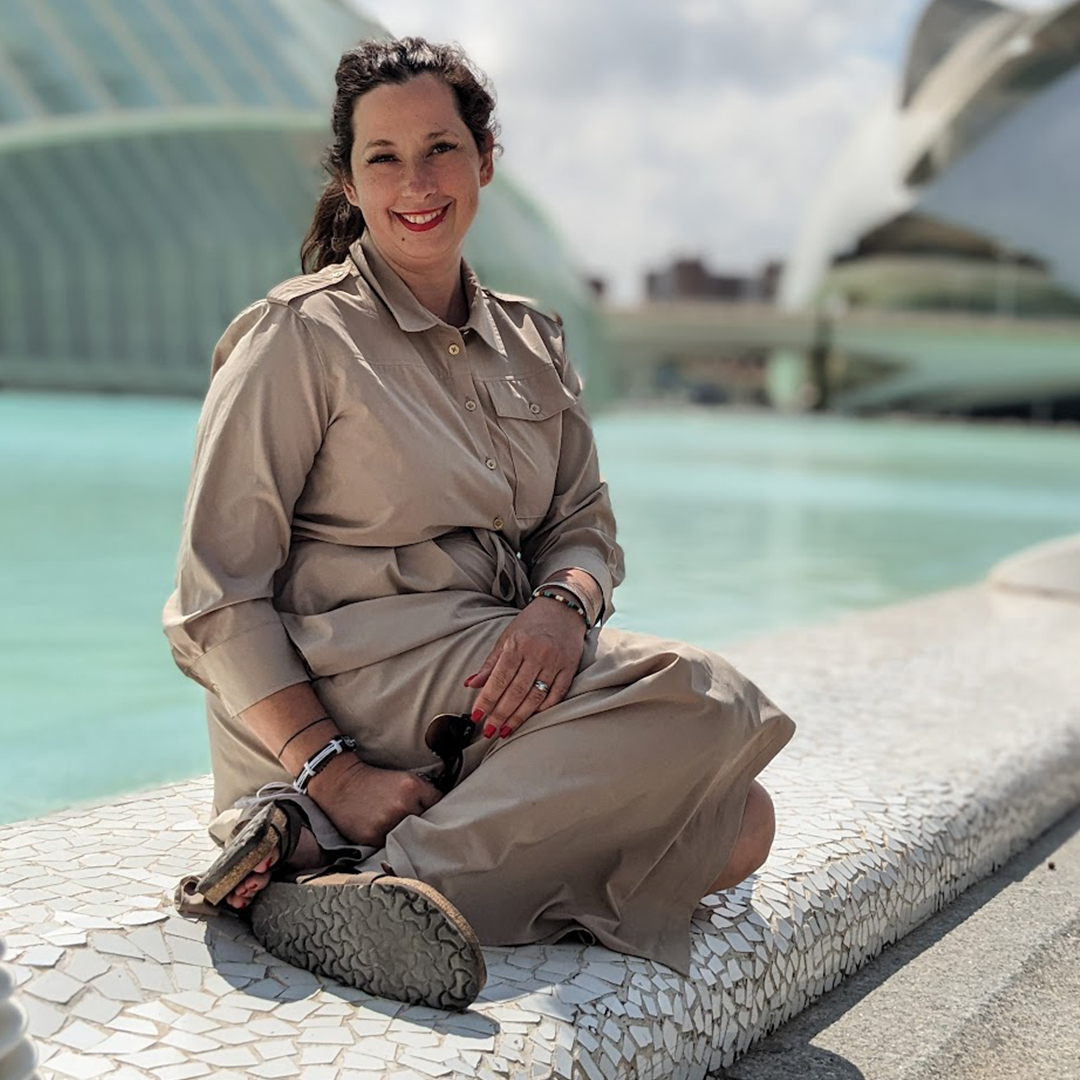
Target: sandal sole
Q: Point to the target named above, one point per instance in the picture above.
(392, 937)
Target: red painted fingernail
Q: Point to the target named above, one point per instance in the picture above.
(477, 715)
(489, 731)
(506, 729)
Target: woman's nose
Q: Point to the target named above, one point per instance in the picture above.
(420, 179)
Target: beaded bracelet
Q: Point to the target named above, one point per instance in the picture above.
(573, 605)
(576, 593)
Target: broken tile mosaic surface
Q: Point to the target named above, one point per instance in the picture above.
(935, 740)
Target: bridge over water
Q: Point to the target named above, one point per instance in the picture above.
(866, 359)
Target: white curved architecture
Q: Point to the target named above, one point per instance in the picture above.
(960, 192)
(159, 164)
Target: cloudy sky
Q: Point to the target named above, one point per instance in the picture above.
(648, 130)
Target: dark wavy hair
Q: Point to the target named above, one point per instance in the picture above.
(376, 62)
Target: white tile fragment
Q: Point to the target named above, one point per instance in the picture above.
(134, 1024)
(118, 985)
(271, 1049)
(189, 1041)
(84, 922)
(319, 1055)
(427, 1068)
(154, 1058)
(66, 938)
(79, 1035)
(189, 1070)
(124, 1042)
(78, 1065)
(142, 918)
(331, 1036)
(357, 1059)
(93, 1007)
(54, 986)
(44, 1019)
(41, 956)
(230, 1057)
(271, 1070)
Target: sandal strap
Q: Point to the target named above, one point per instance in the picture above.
(346, 864)
(190, 902)
(295, 821)
(278, 823)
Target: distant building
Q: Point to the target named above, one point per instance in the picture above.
(675, 347)
(960, 194)
(159, 164)
(689, 279)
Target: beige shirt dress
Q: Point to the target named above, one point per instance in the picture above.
(374, 495)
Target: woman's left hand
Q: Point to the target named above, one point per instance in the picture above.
(544, 643)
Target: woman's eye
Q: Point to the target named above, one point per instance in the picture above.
(380, 158)
(441, 148)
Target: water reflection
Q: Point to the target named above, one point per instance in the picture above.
(736, 525)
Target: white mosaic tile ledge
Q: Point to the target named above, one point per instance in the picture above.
(936, 739)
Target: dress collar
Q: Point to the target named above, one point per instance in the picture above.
(408, 312)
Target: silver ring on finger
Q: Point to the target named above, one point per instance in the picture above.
(542, 686)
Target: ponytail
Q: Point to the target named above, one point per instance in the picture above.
(335, 224)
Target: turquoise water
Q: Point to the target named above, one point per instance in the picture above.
(734, 525)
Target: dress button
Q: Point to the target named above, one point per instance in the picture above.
(533, 407)
(470, 405)
(498, 523)
(454, 349)
(491, 463)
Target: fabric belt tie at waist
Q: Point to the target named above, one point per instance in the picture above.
(510, 582)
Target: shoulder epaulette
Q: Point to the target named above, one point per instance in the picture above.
(529, 302)
(309, 283)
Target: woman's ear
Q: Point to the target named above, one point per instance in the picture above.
(487, 160)
(350, 190)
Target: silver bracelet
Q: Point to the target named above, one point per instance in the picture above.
(317, 762)
(574, 592)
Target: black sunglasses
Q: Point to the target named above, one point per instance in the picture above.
(447, 735)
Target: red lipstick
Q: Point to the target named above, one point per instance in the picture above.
(427, 225)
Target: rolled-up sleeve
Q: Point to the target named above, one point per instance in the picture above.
(261, 427)
(579, 527)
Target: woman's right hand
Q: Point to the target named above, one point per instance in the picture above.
(365, 802)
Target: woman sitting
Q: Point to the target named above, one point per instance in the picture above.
(396, 512)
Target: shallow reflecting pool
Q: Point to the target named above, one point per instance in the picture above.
(734, 525)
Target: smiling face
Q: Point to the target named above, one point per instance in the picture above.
(416, 174)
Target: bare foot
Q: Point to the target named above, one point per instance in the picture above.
(307, 856)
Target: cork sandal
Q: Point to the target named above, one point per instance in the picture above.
(277, 824)
(388, 936)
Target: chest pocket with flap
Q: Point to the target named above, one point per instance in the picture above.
(529, 412)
